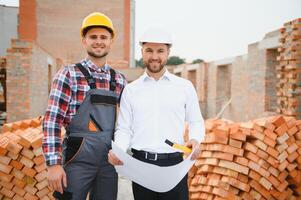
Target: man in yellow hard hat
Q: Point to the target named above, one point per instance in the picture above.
(83, 99)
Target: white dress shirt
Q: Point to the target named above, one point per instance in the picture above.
(152, 111)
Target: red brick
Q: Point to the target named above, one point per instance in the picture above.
(27, 162)
(283, 165)
(281, 147)
(42, 184)
(18, 182)
(281, 158)
(16, 164)
(292, 130)
(267, 140)
(274, 171)
(282, 129)
(265, 183)
(238, 136)
(30, 189)
(292, 148)
(292, 157)
(282, 186)
(5, 177)
(281, 139)
(278, 121)
(18, 191)
(40, 168)
(5, 160)
(39, 160)
(28, 196)
(250, 147)
(262, 154)
(257, 135)
(219, 138)
(264, 164)
(233, 150)
(14, 147)
(275, 182)
(270, 134)
(260, 144)
(258, 127)
(235, 143)
(7, 185)
(17, 173)
(291, 166)
(264, 172)
(274, 162)
(298, 135)
(254, 166)
(43, 192)
(5, 168)
(7, 192)
(282, 176)
(224, 156)
(241, 160)
(252, 156)
(27, 153)
(29, 171)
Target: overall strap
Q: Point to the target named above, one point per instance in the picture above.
(89, 78)
(112, 80)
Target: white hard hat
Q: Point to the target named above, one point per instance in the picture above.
(156, 35)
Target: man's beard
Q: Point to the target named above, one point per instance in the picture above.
(149, 68)
(92, 54)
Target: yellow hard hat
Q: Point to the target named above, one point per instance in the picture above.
(97, 19)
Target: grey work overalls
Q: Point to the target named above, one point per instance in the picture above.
(88, 141)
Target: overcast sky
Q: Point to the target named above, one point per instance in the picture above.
(211, 29)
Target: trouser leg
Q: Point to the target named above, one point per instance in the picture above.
(142, 193)
(80, 177)
(105, 185)
(180, 192)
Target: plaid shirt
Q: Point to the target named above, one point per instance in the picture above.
(69, 88)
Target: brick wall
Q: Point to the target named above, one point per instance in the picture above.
(27, 80)
(55, 26)
(223, 86)
(270, 80)
(248, 80)
(256, 81)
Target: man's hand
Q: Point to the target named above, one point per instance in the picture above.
(56, 176)
(196, 148)
(113, 159)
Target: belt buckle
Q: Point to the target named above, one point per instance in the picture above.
(153, 159)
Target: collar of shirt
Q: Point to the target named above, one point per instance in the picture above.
(90, 64)
(166, 76)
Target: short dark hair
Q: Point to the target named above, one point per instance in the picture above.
(168, 45)
(85, 30)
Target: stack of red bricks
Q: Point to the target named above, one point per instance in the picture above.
(288, 70)
(22, 165)
(260, 160)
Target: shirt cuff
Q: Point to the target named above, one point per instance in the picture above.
(53, 160)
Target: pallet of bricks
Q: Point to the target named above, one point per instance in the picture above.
(22, 165)
(257, 160)
(289, 69)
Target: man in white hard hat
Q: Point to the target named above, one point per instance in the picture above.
(154, 108)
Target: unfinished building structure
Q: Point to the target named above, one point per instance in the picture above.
(47, 37)
(264, 80)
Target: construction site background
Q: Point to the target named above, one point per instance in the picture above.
(264, 82)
